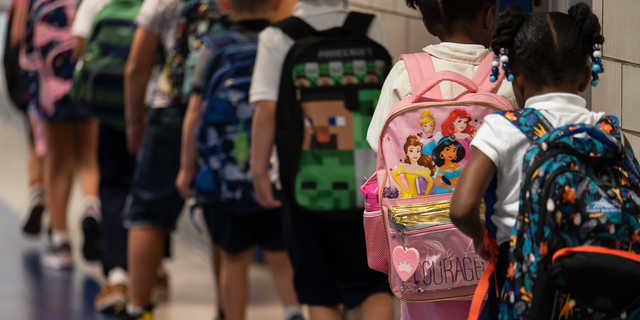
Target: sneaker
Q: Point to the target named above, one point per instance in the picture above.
(57, 257)
(33, 222)
(146, 315)
(111, 298)
(160, 291)
(93, 246)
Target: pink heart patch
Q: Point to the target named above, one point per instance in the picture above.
(405, 261)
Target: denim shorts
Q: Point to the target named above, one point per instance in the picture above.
(155, 201)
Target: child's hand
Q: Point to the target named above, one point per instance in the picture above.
(264, 191)
(184, 183)
(134, 137)
(481, 250)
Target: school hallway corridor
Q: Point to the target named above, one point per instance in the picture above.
(30, 292)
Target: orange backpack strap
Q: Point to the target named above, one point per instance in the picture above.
(481, 77)
(483, 286)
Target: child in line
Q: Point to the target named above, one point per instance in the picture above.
(465, 28)
(235, 231)
(155, 202)
(328, 258)
(548, 54)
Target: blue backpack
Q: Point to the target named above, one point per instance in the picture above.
(575, 248)
(224, 132)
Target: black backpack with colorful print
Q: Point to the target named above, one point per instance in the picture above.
(330, 85)
(575, 248)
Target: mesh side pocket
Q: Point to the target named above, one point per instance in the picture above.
(376, 240)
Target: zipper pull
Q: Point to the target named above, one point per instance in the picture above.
(401, 232)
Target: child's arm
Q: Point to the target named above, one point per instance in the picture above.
(263, 134)
(465, 204)
(18, 22)
(137, 74)
(188, 152)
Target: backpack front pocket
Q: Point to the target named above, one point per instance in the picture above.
(431, 259)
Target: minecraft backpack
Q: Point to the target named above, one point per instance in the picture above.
(575, 248)
(224, 133)
(329, 88)
(423, 148)
(98, 81)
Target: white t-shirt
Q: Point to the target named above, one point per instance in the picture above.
(464, 59)
(506, 145)
(85, 15)
(161, 17)
(273, 45)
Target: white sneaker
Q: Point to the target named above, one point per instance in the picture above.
(57, 258)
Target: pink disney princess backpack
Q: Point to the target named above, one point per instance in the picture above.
(423, 147)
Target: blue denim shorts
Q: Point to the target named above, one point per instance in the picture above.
(155, 201)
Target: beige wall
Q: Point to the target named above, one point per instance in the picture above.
(403, 25)
(619, 90)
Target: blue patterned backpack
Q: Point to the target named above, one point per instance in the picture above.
(224, 132)
(575, 247)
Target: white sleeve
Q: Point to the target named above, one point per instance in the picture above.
(84, 17)
(378, 34)
(273, 46)
(395, 88)
(493, 138)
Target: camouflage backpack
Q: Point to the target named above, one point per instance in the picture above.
(199, 18)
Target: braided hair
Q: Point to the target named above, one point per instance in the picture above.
(547, 48)
(445, 14)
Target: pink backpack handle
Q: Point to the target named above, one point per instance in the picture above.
(433, 81)
(420, 66)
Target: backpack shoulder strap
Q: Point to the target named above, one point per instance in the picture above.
(295, 28)
(419, 67)
(611, 126)
(221, 40)
(358, 23)
(481, 77)
(530, 121)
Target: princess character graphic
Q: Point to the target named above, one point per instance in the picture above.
(457, 126)
(417, 169)
(431, 138)
(447, 156)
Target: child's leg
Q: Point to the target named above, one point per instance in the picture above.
(325, 313)
(59, 169)
(280, 265)
(36, 163)
(216, 262)
(378, 306)
(87, 147)
(235, 283)
(33, 221)
(146, 249)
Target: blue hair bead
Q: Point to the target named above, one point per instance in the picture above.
(510, 78)
(493, 78)
(597, 61)
(596, 68)
(495, 70)
(594, 83)
(506, 67)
